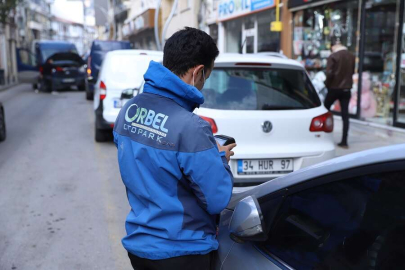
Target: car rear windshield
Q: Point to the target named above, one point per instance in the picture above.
(128, 69)
(111, 46)
(48, 52)
(259, 89)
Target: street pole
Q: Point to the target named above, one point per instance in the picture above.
(157, 39)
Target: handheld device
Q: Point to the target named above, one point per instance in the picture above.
(224, 140)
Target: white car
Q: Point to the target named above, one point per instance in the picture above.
(121, 70)
(269, 105)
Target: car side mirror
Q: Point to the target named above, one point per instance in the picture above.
(247, 221)
(129, 93)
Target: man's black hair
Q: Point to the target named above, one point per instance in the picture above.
(188, 48)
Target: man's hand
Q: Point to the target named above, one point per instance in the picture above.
(227, 149)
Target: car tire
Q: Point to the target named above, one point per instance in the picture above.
(2, 125)
(44, 87)
(82, 87)
(103, 135)
(89, 95)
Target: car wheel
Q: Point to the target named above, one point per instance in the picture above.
(103, 135)
(2, 125)
(89, 95)
(44, 87)
(83, 87)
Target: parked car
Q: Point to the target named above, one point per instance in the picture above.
(269, 105)
(62, 70)
(42, 50)
(99, 49)
(2, 123)
(345, 213)
(121, 70)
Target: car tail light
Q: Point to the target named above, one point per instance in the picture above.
(89, 66)
(59, 69)
(212, 123)
(103, 90)
(41, 70)
(323, 122)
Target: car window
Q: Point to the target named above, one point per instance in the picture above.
(259, 89)
(357, 223)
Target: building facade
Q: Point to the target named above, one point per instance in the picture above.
(34, 22)
(79, 34)
(140, 24)
(8, 61)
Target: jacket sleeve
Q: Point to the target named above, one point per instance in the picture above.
(208, 173)
(329, 71)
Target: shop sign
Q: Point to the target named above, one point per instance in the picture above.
(297, 3)
(228, 9)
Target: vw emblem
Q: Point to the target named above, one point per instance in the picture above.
(267, 126)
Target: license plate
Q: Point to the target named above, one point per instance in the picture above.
(265, 166)
(118, 103)
(68, 80)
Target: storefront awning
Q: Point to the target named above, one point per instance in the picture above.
(301, 3)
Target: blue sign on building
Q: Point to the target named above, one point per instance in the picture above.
(259, 4)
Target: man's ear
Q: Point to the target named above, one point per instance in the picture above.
(198, 69)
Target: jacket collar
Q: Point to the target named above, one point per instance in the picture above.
(161, 81)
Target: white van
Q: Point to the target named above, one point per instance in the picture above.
(121, 70)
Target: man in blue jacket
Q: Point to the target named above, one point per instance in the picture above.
(176, 176)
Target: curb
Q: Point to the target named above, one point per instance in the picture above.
(3, 88)
(381, 127)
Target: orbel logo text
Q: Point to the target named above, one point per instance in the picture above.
(148, 118)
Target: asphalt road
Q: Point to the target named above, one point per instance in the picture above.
(62, 202)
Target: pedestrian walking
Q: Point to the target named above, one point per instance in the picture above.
(176, 176)
(339, 82)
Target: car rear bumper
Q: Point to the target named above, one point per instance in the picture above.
(299, 163)
(61, 82)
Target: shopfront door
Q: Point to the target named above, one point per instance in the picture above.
(379, 61)
(249, 35)
(399, 116)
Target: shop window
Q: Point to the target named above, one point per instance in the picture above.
(401, 94)
(214, 32)
(379, 61)
(268, 41)
(314, 29)
(234, 36)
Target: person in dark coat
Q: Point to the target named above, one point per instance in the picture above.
(339, 81)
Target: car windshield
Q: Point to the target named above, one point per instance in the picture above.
(259, 89)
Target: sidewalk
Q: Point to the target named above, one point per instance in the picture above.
(363, 136)
(5, 87)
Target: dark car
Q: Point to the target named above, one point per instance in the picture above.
(98, 51)
(2, 124)
(62, 70)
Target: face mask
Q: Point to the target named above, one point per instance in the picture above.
(203, 76)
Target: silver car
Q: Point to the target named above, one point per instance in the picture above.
(345, 213)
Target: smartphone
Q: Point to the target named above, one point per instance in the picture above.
(224, 140)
